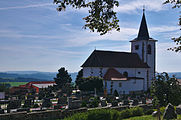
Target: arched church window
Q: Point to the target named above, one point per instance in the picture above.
(149, 49)
(136, 47)
(125, 74)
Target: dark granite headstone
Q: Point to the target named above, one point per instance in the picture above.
(170, 112)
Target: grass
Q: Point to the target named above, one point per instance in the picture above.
(148, 117)
(14, 84)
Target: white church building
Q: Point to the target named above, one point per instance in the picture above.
(126, 72)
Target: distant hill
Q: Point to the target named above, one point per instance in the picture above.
(26, 76)
(177, 74)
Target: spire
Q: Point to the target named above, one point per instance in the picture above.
(143, 31)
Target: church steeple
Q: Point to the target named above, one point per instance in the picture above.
(143, 31)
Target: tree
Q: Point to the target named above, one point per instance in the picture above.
(165, 90)
(62, 78)
(79, 77)
(4, 87)
(102, 17)
(90, 83)
(176, 4)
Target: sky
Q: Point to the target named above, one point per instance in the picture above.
(34, 36)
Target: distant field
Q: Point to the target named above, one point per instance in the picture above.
(16, 83)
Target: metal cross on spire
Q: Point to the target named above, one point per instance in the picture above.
(143, 8)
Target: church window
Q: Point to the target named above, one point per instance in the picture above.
(125, 74)
(120, 84)
(100, 72)
(136, 47)
(149, 49)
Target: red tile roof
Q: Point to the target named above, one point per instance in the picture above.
(179, 80)
(113, 74)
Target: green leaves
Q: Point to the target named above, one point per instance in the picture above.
(102, 18)
(176, 4)
(166, 90)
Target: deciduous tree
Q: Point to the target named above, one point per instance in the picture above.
(102, 17)
(166, 90)
(90, 83)
(176, 4)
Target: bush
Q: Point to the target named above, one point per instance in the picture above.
(149, 112)
(94, 102)
(36, 106)
(136, 111)
(126, 113)
(101, 114)
(84, 104)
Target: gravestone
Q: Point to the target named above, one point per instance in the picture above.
(125, 102)
(103, 103)
(74, 103)
(178, 110)
(135, 102)
(155, 114)
(46, 102)
(114, 103)
(1, 111)
(62, 100)
(170, 112)
(143, 101)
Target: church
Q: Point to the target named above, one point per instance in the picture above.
(125, 72)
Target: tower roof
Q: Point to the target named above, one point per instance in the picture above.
(143, 31)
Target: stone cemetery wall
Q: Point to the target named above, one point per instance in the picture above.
(54, 114)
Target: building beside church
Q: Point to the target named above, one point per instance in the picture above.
(125, 72)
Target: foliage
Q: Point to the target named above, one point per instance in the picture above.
(46, 102)
(148, 112)
(79, 77)
(176, 4)
(28, 103)
(136, 111)
(35, 105)
(4, 87)
(84, 103)
(148, 117)
(116, 93)
(90, 83)
(102, 17)
(94, 102)
(126, 113)
(165, 90)
(107, 114)
(99, 114)
(62, 77)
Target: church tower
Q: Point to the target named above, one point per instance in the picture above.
(144, 46)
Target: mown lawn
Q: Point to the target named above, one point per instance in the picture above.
(148, 117)
(16, 83)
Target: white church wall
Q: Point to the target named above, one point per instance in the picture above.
(126, 86)
(148, 58)
(132, 72)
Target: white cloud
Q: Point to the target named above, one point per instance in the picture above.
(28, 6)
(129, 7)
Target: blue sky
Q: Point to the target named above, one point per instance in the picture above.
(34, 36)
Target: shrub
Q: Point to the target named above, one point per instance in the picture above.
(35, 106)
(126, 113)
(149, 112)
(84, 104)
(100, 114)
(136, 111)
(94, 102)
